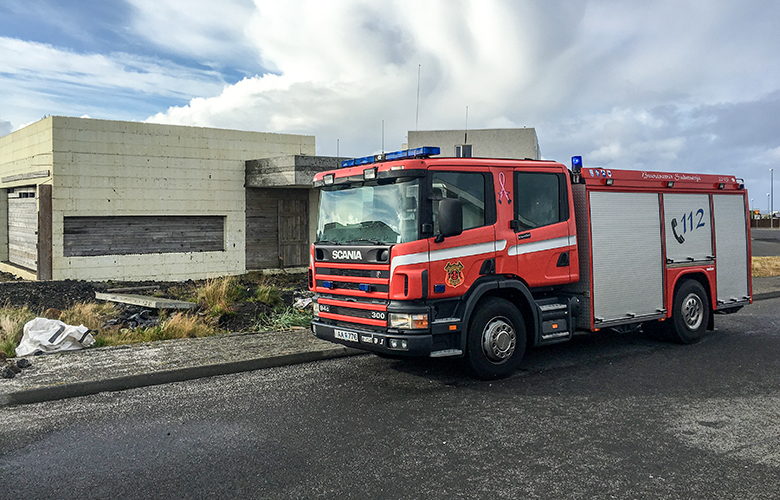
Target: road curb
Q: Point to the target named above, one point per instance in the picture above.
(64, 391)
(767, 295)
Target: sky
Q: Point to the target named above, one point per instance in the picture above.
(665, 85)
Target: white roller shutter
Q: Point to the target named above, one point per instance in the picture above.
(731, 248)
(627, 258)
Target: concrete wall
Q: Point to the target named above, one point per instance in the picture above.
(110, 168)
(25, 160)
(486, 143)
(296, 171)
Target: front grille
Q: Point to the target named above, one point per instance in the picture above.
(355, 273)
(346, 285)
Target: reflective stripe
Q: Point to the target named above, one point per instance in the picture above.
(540, 246)
(447, 253)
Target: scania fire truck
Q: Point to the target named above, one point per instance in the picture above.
(482, 258)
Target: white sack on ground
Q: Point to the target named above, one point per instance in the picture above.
(51, 335)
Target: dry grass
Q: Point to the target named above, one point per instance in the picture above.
(12, 322)
(766, 266)
(268, 294)
(219, 294)
(178, 326)
(90, 314)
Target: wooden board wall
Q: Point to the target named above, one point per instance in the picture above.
(23, 227)
(277, 228)
(123, 235)
(44, 232)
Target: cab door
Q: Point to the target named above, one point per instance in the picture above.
(457, 261)
(544, 247)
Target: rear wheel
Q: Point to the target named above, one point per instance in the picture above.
(690, 313)
(496, 339)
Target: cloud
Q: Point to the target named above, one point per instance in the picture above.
(42, 77)
(341, 67)
(212, 33)
(5, 128)
(656, 84)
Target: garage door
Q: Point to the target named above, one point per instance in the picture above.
(23, 227)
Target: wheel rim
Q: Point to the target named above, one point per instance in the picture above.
(693, 311)
(499, 340)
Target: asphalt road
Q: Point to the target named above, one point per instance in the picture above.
(765, 242)
(603, 416)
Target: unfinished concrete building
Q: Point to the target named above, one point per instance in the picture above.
(99, 200)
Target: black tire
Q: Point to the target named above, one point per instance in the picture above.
(690, 313)
(496, 339)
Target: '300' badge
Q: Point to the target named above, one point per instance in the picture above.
(454, 272)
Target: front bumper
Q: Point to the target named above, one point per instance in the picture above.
(405, 345)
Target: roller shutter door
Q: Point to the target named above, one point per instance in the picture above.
(731, 248)
(627, 257)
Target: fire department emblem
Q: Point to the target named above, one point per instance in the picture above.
(454, 272)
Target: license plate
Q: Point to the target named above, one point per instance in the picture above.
(344, 335)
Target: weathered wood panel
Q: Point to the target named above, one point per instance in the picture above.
(293, 232)
(274, 216)
(44, 232)
(124, 235)
(23, 227)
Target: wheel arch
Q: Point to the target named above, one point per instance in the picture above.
(514, 291)
(704, 281)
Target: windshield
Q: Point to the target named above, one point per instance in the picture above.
(369, 213)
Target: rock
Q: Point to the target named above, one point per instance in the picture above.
(52, 313)
(23, 363)
(6, 372)
(3, 356)
(14, 368)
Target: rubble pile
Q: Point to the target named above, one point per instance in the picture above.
(133, 317)
(10, 368)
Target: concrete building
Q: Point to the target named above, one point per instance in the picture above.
(99, 200)
(483, 143)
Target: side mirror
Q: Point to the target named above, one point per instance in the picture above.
(450, 217)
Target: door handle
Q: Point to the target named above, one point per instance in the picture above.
(523, 236)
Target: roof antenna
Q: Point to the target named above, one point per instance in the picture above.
(337, 148)
(417, 115)
(466, 132)
(383, 136)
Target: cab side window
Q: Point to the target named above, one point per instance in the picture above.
(469, 188)
(540, 199)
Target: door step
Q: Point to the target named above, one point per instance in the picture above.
(556, 319)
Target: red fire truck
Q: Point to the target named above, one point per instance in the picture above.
(481, 258)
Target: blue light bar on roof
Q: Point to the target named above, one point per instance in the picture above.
(396, 155)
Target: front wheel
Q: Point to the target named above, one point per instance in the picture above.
(690, 313)
(496, 339)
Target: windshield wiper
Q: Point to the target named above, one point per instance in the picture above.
(372, 241)
(327, 242)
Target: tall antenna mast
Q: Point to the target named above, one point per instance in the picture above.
(383, 136)
(417, 115)
(466, 131)
(337, 148)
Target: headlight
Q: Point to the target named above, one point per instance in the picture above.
(315, 308)
(409, 321)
